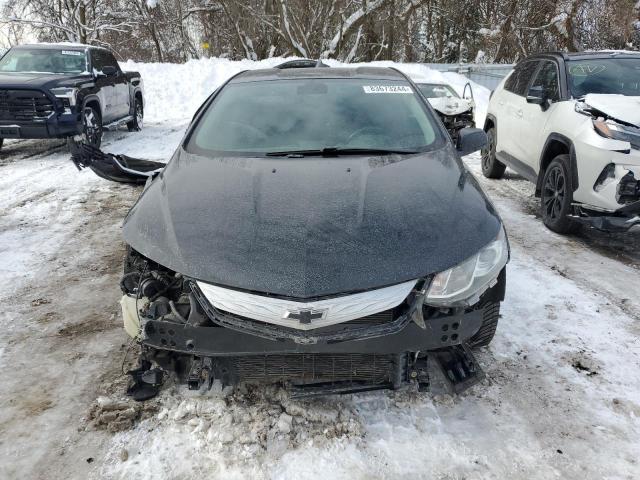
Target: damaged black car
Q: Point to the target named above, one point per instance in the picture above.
(316, 227)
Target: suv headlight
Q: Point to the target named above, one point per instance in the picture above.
(463, 284)
(67, 95)
(618, 132)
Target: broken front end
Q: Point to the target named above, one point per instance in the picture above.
(375, 339)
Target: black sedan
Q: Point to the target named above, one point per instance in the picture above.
(315, 227)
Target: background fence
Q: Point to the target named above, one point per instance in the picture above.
(486, 75)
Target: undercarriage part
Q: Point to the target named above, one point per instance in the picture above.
(459, 367)
(621, 220)
(201, 373)
(419, 372)
(118, 168)
(628, 190)
(145, 381)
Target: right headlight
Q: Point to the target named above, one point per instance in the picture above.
(463, 284)
(618, 132)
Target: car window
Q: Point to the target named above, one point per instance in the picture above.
(44, 60)
(111, 60)
(519, 80)
(434, 90)
(604, 75)
(547, 78)
(97, 60)
(312, 114)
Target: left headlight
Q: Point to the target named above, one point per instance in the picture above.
(463, 284)
(67, 95)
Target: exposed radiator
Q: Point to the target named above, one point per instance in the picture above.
(317, 368)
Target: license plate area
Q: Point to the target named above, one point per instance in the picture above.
(11, 131)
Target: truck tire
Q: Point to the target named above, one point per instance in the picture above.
(556, 196)
(91, 127)
(135, 125)
(491, 167)
(487, 331)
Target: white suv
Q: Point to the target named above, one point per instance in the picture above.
(570, 123)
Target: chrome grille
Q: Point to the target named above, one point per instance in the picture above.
(24, 105)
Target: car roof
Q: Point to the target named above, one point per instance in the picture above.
(378, 73)
(596, 54)
(57, 46)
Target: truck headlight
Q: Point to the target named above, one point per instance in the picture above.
(67, 95)
(618, 132)
(463, 284)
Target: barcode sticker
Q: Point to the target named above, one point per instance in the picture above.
(387, 89)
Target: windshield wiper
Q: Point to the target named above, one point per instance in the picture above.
(337, 151)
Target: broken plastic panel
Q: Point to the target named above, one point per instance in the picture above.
(117, 168)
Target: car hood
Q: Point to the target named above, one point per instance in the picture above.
(619, 107)
(450, 105)
(311, 227)
(38, 80)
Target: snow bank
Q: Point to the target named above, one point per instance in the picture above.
(175, 91)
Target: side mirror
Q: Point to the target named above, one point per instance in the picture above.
(536, 95)
(471, 140)
(109, 71)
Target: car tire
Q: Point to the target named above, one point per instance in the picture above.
(556, 196)
(491, 167)
(487, 330)
(91, 127)
(1, 142)
(135, 125)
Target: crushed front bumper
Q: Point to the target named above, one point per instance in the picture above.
(440, 332)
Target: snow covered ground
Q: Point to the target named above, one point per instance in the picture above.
(561, 398)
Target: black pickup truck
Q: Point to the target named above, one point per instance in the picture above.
(66, 90)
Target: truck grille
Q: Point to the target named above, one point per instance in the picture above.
(306, 369)
(24, 105)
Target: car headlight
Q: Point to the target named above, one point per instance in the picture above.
(463, 284)
(618, 132)
(67, 95)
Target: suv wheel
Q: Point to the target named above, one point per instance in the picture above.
(556, 197)
(491, 167)
(135, 125)
(92, 127)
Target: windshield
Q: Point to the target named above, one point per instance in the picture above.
(315, 114)
(43, 60)
(433, 90)
(607, 75)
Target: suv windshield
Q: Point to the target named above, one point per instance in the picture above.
(604, 75)
(43, 60)
(315, 114)
(434, 90)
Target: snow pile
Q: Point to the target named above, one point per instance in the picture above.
(175, 91)
(232, 435)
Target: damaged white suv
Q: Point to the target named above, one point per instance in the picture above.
(570, 123)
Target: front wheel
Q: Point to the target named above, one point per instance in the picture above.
(487, 331)
(491, 166)
(91, 127)
(556, 197)
(135, 125)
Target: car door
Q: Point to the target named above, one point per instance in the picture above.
(532, 117)
(106, 86)
(122, 102)
(510, 102)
